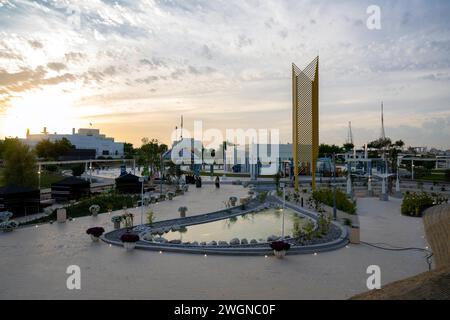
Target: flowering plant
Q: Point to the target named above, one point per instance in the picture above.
(280, 245)
(95, 231)
(128, 219)
(129, 237)
(94, 209)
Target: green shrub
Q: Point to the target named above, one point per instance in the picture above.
(262, 196)
(447, 175)
(105, 201)
(415, 203)
(325, 196)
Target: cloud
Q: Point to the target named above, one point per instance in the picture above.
(35, 44)
(56, 66)
(218, 58)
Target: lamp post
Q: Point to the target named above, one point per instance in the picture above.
(141, 180)
(282, 185)
(334, 188)
(90, 172)
(161, 177)
(39, 177)
(397, 182)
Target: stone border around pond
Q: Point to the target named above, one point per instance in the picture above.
(261, 248)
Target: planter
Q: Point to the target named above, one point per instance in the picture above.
(279, 254)
(61, 215)
(182, 211)
(354, 234)
(129, 245)
(116, 225)
(94, 209)
(95, 233)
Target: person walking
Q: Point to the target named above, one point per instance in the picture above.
(217, 182)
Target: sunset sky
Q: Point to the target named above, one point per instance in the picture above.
(132, 68)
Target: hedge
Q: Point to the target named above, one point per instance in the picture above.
(325, 196)
(414, 204)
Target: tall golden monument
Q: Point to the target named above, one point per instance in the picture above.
(305, 119)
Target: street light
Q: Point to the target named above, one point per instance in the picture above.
(142, 179)
(334, 188)
(39, 176)
(282, 185)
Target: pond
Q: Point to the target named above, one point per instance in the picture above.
(256, 226)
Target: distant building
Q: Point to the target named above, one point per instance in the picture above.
(83, 139)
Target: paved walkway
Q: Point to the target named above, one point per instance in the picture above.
(34, 260)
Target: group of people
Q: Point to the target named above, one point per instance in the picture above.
(197, 180)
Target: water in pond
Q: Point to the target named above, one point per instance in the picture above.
(250, 226)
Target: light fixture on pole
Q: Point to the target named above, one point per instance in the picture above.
(282, 185)
(39, 177)
(141, 180)
(334, 188)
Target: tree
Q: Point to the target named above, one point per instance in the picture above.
(78, 170)
(348, 147)
(380, 143)
(149, 154)
(128, 150)
(2, 147)
(327, 150)
(20, 164)
(53, 150)
(399, 144)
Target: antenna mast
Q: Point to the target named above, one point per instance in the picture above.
(383, 135)
(350, 134)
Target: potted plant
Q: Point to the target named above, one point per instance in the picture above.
(170, 195)
(129, 240)
(95, 233)
(116, 220)
(233, 201)
(182, 211)
(279, 248)
(94, 209)
(8, 226)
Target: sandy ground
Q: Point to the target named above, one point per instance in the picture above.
(34, 260)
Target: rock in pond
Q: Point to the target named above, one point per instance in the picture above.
(235, 242)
